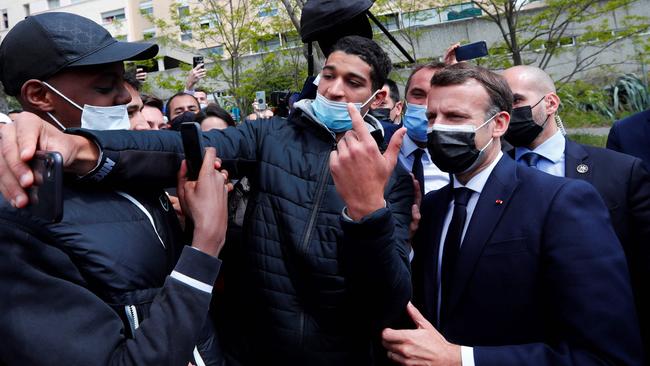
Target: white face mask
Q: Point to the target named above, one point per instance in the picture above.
(97, 118)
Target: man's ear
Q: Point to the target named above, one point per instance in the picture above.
(36, 96)
(552, 103)
(399, 106)
(379, 98)
(501, 123)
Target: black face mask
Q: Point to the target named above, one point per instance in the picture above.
(382, 114)
(523, 130)
(186, 116)
(454, 151)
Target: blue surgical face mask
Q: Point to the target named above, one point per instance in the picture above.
(416, 123)
(97, 118)
(334, 115)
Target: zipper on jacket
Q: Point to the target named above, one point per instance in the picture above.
(319, 197)
(305, 243)
(132, 316)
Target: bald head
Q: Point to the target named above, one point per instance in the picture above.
(532, 87)
(532, 78)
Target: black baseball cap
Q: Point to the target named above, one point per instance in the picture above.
(42, 45)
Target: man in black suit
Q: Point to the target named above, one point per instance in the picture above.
(621, 180)
(513, 266)
(631, 136)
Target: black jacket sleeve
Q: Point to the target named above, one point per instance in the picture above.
(375, 254)
(152, 158)
(48, 315)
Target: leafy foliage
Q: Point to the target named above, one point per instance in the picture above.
(535, 32)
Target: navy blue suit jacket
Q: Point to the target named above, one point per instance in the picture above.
(624, 185)
(541, 278)
(389, 130)
(632, 136)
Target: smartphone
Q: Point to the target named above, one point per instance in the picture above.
(260, 98)
(193, 147)
(46, 194)
(197, 60)
(471, 51)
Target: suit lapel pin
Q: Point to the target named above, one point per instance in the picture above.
(498, 202)
(582, 168)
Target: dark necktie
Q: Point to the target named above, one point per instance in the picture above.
(531, 159)
(418, 168)
(452, 245)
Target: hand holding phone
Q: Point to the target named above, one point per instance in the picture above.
(471, 51)
(197, 60)
(260, 98)
(46, 194)
(193, 147)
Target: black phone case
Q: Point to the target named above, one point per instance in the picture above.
(471, 51)
(46, 195)
(193, 147)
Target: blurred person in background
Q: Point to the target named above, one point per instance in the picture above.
(152, 112)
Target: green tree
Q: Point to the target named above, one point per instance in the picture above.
(545, 27)
(405, 15)
(236, 27)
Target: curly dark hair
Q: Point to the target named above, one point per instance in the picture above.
(370, 52)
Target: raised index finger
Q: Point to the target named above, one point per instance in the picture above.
(358, 125)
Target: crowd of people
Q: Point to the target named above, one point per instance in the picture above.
(457, 225)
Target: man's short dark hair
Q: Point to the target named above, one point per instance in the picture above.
(370, 52)
(494, 84)
(435, 65)
(393, 91)
(151, 101)
(213, 110)
(129, 78)
(169, 101)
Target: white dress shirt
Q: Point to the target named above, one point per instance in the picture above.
(476, 184)
(551, 152)
(434, 178)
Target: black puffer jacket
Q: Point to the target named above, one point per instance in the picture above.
(307, 287)
(95, 289)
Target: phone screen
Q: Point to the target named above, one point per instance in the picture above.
(193, 146)
(46, 194)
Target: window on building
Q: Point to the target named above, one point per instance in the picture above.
(149, 33)
(390, 21)
(51, 4)
(268, 9)
(214, 51)
(291, 39)
(146, 7)
(269, 43)
(186, 35)
(208, 21)
(5, 19)
(113, 16)
(183, 11)
(421, 18)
